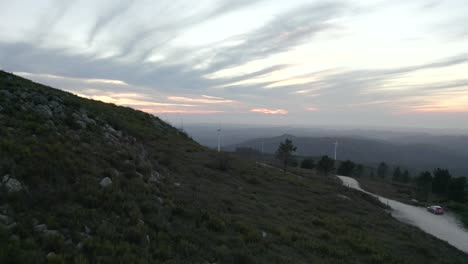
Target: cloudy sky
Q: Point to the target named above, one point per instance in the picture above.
(353, 63)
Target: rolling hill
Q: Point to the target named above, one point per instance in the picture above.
(371, 151)
(88, 182)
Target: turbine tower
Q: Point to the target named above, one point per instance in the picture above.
(219, 138)
(336, 147)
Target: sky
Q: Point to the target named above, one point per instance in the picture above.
(363, 63)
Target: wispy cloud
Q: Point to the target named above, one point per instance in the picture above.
(288, 56)
(269, 111)
(204, 100)
(106, 17)
(285, 32)
(312, 108)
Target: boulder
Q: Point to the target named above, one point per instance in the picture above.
(87, 120)
(155, 177)
(51, 233)
(43, 110)
(39, 99)
(57, 108)
(81, 124)
(40, 228)
(106, 182)
(51, 256)
(161, 201)
(11, 184)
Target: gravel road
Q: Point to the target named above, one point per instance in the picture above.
(445, 227)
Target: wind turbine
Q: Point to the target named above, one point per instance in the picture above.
(336, 147)
(219, 138)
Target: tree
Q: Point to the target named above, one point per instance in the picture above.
(405, 176)
(441, 181)
(456, 189)
(382, 170)
(359, 170)
(325, 165)
(346, 168)
(397, 175)
(424, 182)
(285, 152)
(308, 163)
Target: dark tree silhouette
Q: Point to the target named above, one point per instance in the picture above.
(359, 170)
(405, 176)
(308, 163)
(285, 152)
(397, 175)
(346, 168)
(440, 183)
(325, 165)
(424, 183)
(382, 170)
(456, 189)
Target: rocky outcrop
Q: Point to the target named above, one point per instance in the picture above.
(40, 228)
(44, 111)
(11, 184)
(154, 177)
(106, 182)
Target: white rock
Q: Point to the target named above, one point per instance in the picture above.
(161, 201)
(11, 184)
(106, 182)
(50, 233)
(155, 177)
(51, 255)
(40, 228)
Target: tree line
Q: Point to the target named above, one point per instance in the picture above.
(439, 182)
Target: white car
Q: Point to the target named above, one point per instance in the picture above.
(435, 209)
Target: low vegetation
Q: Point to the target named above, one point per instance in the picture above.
(89, 182)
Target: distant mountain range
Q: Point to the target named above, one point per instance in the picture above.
(413, 152)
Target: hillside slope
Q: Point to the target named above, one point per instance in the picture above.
(89, 182)
(371, 151)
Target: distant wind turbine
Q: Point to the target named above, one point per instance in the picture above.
(219, 138)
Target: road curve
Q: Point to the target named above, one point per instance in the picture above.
(444, 227)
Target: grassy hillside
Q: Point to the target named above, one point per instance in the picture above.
(371, 151)
(170, 200)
